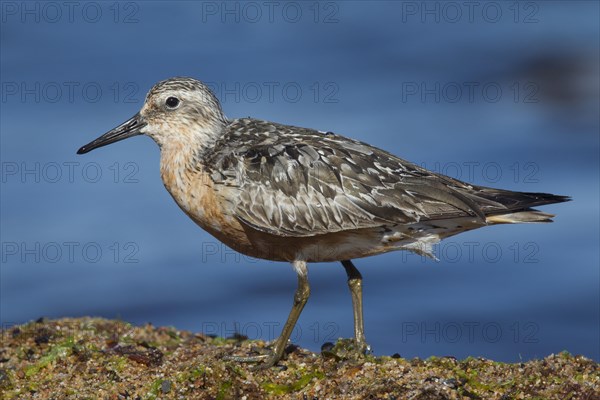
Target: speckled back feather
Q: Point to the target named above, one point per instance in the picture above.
(293, 181)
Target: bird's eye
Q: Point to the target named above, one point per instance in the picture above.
(172, 102)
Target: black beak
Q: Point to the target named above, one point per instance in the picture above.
(129, 128)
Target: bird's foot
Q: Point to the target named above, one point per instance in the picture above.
(263, 361)
(346, 349)
(247, 359)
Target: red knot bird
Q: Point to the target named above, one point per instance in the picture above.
(286, 193)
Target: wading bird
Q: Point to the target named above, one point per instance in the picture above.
(286, 193)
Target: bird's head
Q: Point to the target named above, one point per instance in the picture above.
(176, 111)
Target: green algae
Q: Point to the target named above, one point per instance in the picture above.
(296, 386)
(58, 351)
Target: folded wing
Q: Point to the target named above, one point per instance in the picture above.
(292, 181)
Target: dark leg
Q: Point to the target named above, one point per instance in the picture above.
(300, 298)
(355, 285)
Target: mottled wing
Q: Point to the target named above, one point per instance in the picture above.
(294, 181)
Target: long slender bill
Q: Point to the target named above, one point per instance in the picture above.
(129, 128)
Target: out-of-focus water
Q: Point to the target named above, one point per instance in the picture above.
(504, 94)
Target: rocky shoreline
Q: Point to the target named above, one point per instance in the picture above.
(92, 358)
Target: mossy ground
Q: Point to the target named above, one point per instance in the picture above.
(90, 358)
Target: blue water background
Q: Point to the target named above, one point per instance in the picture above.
(367, 70)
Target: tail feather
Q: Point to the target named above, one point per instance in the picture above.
(520, 200)
(519, 217)
(515, 207)
(519, 206)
